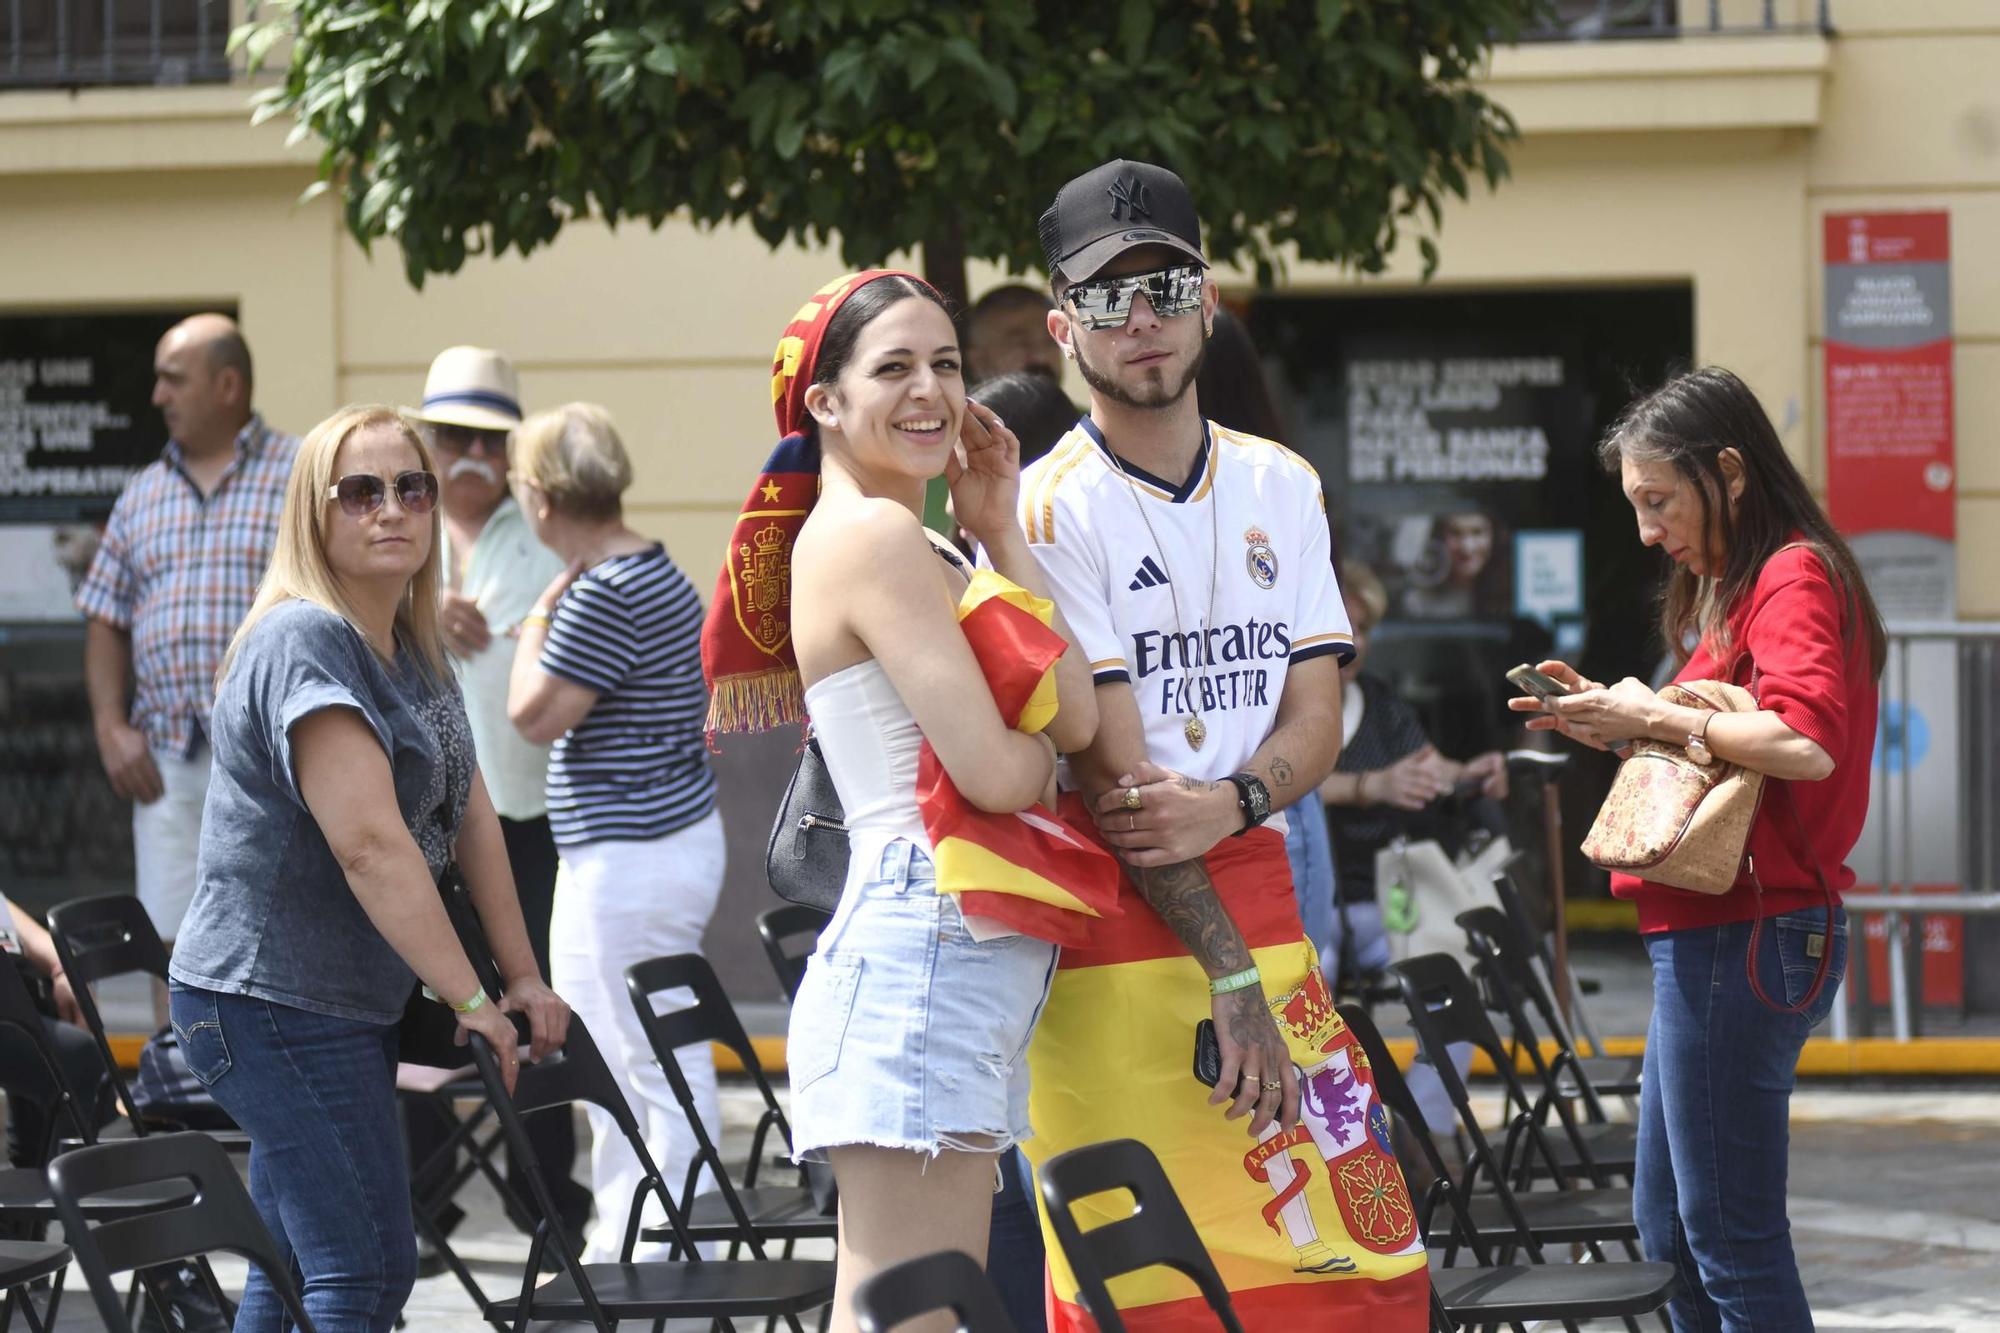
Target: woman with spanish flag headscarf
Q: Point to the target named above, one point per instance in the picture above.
(941, 697)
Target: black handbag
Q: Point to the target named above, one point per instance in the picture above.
(806, 859)
(429, 1030)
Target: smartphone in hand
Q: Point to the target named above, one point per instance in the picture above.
(1539, 684)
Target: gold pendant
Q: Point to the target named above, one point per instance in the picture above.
(1196, 731)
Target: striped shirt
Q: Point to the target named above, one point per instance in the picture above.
(636, 767)
(178, 571)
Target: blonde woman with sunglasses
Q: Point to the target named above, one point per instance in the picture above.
(344, 781)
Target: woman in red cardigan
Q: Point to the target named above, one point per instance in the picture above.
(1763, 590)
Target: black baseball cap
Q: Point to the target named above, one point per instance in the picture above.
(1109, 209)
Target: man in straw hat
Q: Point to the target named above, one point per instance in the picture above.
(1193, 565)
(494, 571)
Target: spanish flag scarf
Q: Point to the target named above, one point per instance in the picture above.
(1028, 871)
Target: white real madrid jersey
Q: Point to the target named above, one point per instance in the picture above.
(1199, 595)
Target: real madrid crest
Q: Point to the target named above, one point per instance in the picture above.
(1261, 559)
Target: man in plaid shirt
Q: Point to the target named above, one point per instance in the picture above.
(173, 577)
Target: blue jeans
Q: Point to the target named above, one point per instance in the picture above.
(1714, 1117)
(1310, 851)
(1014, 1254)
(328, 1171)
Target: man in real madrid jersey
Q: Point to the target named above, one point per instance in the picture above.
(1193, 566)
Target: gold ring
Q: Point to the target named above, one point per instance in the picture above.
(1249, 1077)
(1131, 801)
(1273, 1087)
(1131, 823)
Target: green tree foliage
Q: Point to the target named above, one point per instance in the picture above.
(477, 126)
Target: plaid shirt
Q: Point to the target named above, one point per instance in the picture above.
(178, 571)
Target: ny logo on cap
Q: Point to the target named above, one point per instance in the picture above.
(1129, 195)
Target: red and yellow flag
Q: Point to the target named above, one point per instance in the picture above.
(1028, 871)
(1310, 1228)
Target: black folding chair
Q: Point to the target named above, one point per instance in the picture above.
(1494, 1226)
(1445, 1007)
(1157, 1233)
(1613, 1075)
(23, 1263)
(789, 934)
(1496, 1217)
(1504, 966)
(26, 1204)
(217, 1215)
(98, 939)
(948, 1280)
(785, 1212)
(604, 1293)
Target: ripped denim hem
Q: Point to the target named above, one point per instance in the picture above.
(985, 1141)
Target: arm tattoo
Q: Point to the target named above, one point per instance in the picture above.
(1197, 784)
(1281, 771)
(1187, 902)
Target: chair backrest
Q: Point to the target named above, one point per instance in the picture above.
(100, 938)
(1510, 972)
(707, 1019)
(576, 1074)
(1445, 1007)
(1156, 1233)
(18, 1011)
(790, 933)
(219, 1216)
(948, 1280)
(1396, 1095)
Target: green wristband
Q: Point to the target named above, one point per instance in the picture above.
(477, 1001)
(1235, 981)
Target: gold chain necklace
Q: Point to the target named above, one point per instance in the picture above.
(1194, 729)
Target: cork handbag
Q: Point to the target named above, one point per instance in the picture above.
(1673, 821)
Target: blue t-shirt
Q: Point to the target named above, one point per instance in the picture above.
(273, 915)
(636, 767)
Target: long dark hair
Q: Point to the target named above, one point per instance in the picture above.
(1688, 422)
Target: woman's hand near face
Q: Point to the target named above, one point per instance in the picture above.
(986, 487)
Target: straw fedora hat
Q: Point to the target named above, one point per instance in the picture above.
(471, 386)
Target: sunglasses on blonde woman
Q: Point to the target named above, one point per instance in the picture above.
(363, 492)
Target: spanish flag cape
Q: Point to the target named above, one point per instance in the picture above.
(1031, 871)
(1310, 1227)
(1027, 871)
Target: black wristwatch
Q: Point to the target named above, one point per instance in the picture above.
(1253, 798)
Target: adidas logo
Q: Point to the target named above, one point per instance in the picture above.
(1150, 575)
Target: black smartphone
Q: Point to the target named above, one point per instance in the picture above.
(1540, 684)
(1207, 1053)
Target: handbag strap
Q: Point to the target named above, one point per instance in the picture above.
(1819, 873)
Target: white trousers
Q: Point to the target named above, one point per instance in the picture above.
(166, 837)
(616, 904)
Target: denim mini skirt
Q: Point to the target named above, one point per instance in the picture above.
(907, 1032)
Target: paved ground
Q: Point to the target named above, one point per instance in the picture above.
(1895, 1192)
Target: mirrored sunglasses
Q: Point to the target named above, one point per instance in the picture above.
(363, 492)
(1105, 303)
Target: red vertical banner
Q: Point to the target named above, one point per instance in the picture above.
(1891, 474)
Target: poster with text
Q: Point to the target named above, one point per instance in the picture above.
(1891, 476)
(76, 414)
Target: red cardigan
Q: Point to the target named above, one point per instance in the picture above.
(1822, 685)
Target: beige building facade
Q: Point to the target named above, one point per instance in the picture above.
(1701, 163)
(1706, 160)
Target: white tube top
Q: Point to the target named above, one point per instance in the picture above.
(870, 743)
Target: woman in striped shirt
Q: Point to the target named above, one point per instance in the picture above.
(609, 669)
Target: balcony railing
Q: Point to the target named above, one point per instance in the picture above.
(1595, 20)
(71, 43)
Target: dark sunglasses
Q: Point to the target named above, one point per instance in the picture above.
(466, 439)
(363, 492)
(1105, 303)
